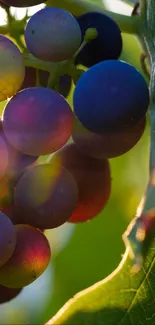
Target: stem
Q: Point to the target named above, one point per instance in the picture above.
(148, 201)
(127, 24)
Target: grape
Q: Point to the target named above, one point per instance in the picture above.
(23, 3)
(7, 294)
(3, 5)
(12, 68)
(4, 156)
(6, 195)
(93, 179)
(12, 161)
(52, 34)
(7, 239)
(64, 85)
(110, 97)
(45, 196)
(107, 45)
(29, 260)
(64, 82)
(37, 121)
(108, 145)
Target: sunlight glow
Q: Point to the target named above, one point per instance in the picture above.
(118, 6)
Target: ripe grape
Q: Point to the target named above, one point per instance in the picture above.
(7, 239)
(93, 179)
(108, 145)
(108, 43)
(13, 162)
(7, 294)
(4, 156)
(52, 34)
(6, 195)
(45, 196)
(23, 3)
(12, 68)
(110, 97)
(37, 121)
(63, 85)
(29, 260)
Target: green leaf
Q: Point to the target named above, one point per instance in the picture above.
(123, 298)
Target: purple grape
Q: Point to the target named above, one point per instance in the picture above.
(7, 239)
(52, 34)
(45, 196)
(93, 180)
(29, 260)
(37, 121)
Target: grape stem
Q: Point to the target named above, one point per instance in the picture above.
(127, 24)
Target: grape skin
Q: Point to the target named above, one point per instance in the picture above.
(4, 157)
(45, 196)
(52, 34)
(13, 160)
(107, 45)
(29, 260)
(7, 239)
(23, 3)
(7, 294)
(12, 68)
(37, 121)
(108, 145)
(92, 177)
(110, 97)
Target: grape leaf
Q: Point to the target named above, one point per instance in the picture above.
(123, 298)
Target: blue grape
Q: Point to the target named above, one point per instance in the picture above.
(12, 68)
(52, 34)
(37, 121)
(29, 259)
(45, 196)
(110, 96)
(107, 45)
(23, 3)
(7, 239)
(108, 145)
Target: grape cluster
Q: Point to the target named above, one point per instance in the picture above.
(110, 103)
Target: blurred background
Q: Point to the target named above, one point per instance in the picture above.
(86, 253)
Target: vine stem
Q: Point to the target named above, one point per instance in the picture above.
(127, 24)
(144, 220)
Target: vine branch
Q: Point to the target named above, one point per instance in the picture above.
(127, 24)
